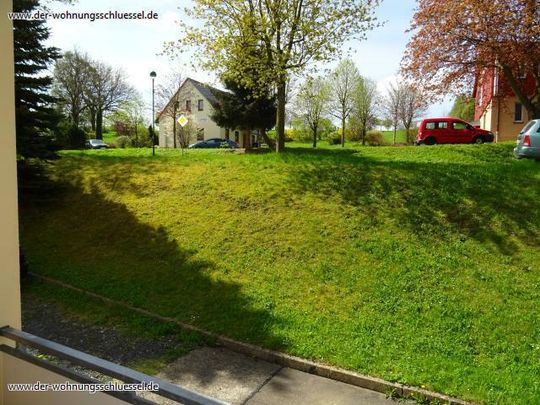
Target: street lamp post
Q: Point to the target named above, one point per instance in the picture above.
(153, 75)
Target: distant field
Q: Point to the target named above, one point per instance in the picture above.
(401, 137)
(415, 264)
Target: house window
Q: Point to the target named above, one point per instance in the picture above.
(236, 136)
(518, 112)
(188, 105)
(200, 134)
(200, 105)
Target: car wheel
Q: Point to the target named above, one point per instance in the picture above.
(430, 141)
(478, 140)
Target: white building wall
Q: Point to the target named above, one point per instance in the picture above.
(200, 119)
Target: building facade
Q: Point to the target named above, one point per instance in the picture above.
(497, 108)
(196, 102)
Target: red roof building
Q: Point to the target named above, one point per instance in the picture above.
(497, 109)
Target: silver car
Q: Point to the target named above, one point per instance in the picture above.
(96, 144)
(528, 141)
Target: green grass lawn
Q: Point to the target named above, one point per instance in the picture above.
(415, 264)
(110, 137)
(388, 137)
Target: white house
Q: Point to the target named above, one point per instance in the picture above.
(196, 101)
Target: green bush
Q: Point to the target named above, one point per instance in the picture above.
(70, 137)
(374, 138)
(289, 135)
(411, 136)
(334, 138)
(77, 137)
(123, 141)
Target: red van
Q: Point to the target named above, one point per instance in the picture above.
(450, 130)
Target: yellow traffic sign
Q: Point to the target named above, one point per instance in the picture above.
(182, 120)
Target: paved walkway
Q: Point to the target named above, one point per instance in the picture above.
(238, 379)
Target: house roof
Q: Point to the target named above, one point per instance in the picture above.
(210, 93)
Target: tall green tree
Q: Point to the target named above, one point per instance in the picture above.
(242, 109)
(35, 116)
(365, 102)
(312, 103)
(278, 38)
(345, 80)
(463, 108)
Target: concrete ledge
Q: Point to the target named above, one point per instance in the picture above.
(297, 363)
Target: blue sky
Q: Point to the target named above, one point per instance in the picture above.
(134, 45)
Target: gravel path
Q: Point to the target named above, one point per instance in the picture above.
(49, 321)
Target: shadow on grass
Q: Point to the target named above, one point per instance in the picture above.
(90, 242)
(489, 201)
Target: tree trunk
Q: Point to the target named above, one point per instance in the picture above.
(315, 136)
(533, 109)
(75, 117)
(343, 131)
(408, 134)
(93, 119)
(395, 133)
(99, 124)
(267, 139)
(364, 134)
(280, 119)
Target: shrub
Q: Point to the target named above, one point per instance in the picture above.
(411, 136)
(334, 138)
(69, 136)
(123, 141)
(374, 138)
(77, 137)
(289, 135)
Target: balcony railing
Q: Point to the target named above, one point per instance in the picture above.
(75, 357)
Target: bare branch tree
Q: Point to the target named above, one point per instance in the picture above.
(169, 98)
(68, 86)
(392, 106)
(105, 90)
(412, 105)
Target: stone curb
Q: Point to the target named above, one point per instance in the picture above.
(297, 363)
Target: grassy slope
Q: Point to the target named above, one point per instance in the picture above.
(415, 264)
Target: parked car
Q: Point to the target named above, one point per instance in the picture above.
(96, 144)
(450, 130)
(528, 141)
(214, 143)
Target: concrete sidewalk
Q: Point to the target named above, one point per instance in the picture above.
(238, 379)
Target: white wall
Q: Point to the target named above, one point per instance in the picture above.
(200, 119)
(10, 313)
